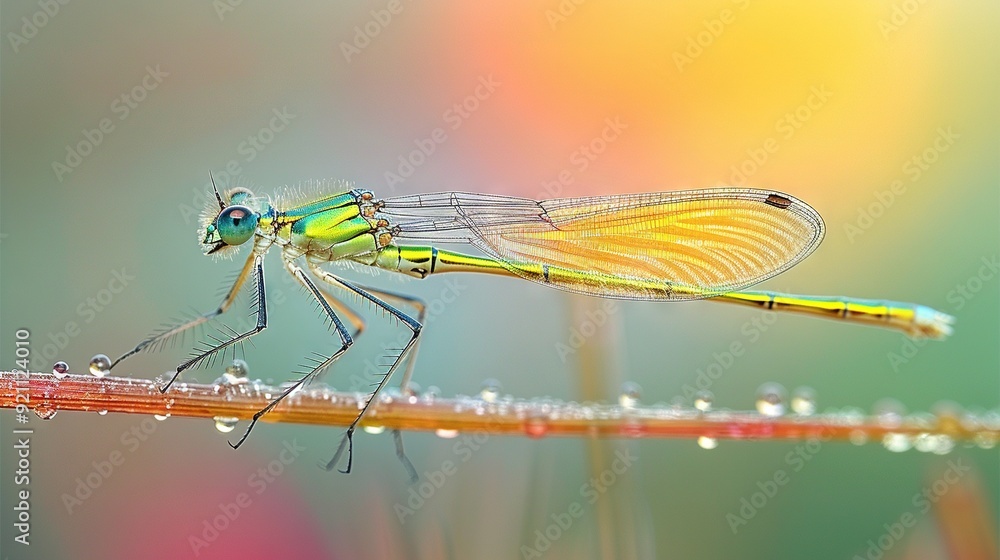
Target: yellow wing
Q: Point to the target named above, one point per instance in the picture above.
(673, 245)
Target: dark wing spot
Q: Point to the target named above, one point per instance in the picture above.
(778, 201)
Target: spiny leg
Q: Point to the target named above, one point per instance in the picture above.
(412, 324)
(261, 305)
(340, 307)
(174, 331)
(345, 339)
(411, 360)
(416, 303)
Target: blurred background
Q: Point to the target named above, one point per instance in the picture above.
(882, 115)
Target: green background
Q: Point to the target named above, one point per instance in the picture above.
(132, 206)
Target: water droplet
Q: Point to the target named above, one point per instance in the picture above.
(858, 437)
(991, 419)
(374, 429)
(706, 442)
(236, 373)
(446, 434)
(225, 424)
(923, 443)
(102, 412)
(897, 442)
(630, 395)
(943, 445)
(44, 412)
(100, 365)
(431, 393)
(985, 440)
(161, 417)
(60, 369)
(490, 390)
(680, 407)
(889, 413)
(948, 416)
(703, 401)
(390, 395)
(238, 368)
(771, 399)
(412, 390)
(536, 427)
(804, 401)
(850, 416)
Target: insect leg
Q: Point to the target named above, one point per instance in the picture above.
(397, 298)
(261, 305)
(411, 360)
(174, 331)
(356, 321)
(345, 339)
(414, 326)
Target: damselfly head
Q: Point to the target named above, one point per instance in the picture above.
(228, 221)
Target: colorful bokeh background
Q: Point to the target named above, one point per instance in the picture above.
(828, 101)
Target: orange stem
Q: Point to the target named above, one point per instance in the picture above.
(534, 418)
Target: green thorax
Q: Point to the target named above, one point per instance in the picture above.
(335, 227)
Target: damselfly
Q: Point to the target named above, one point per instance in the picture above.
(698, 244)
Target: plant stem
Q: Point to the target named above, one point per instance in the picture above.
(532, 417)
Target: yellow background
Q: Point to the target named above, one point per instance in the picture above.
(700, 87)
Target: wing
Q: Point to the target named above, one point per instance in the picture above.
(673, 245)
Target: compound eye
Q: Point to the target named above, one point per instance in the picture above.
(236, 224)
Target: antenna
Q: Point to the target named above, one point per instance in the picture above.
(222, 205)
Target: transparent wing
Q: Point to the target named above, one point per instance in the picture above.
(673, 245)
(454, 216)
